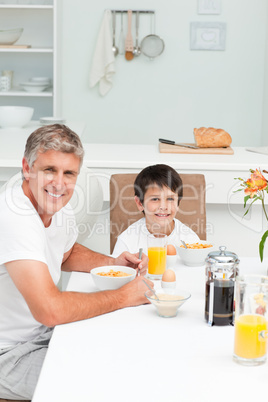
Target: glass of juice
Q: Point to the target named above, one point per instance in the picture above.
(157, 254)
(251, 304)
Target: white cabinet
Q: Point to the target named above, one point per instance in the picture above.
(38, 20)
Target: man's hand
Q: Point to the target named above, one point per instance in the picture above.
(133, 261)
(133, 292)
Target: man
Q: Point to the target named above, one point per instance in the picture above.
(35, 245)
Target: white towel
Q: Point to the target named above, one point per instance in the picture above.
(103, 68)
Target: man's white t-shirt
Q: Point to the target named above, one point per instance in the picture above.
(24, 237)
(135, 237)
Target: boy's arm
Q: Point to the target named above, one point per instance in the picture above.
(120, 247)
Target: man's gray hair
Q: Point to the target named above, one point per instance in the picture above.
(57, 137)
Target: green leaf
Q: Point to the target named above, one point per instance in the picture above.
(246, 198)
(261, 245)
(240, 189)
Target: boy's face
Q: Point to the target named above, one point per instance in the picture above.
(160, 206)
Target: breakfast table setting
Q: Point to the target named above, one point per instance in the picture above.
(136, 354)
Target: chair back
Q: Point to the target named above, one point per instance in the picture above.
(124, 212)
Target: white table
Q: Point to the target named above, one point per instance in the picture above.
(135, 355)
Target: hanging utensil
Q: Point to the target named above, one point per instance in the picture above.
(152, 45)
(137, 49)
(129, 40)
(121, 40)
(115, 49)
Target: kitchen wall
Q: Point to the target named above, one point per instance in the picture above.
(180, 90)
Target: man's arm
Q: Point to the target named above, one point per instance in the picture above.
(51, 307)
(82, 259)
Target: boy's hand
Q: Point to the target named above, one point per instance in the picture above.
(133, 261)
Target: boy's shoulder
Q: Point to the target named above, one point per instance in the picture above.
(134, 228)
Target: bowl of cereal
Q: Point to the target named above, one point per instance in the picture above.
(112, 277)
(169, 301)
(195, 253)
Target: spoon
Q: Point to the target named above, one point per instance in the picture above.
(151, 289)
(115, 48)
(184, 244)
(140, 255)
(137, 49)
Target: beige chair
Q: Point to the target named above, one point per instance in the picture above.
(124, 212)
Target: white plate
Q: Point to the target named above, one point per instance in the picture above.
(52, 120)
(34, 86)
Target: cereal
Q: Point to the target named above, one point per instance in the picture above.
(197, 245)
(113, 274)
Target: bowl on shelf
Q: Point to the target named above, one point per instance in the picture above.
(30, 86)
(15, 116)
(40, 80)
(196, 255)
(44, 121)
(169, 301)
(10, 36)
(105, 282)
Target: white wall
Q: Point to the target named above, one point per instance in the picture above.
(180, 90)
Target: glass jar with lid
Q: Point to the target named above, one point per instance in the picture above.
(221, 270)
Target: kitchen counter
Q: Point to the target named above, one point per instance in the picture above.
(225, 222)
(128, 156)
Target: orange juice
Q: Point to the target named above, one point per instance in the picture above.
(157, 260)
(247, 343)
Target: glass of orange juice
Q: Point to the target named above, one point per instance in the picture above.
(157, 254)
(251, 305)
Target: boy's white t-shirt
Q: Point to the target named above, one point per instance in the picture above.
(23, 236)
(135, 237)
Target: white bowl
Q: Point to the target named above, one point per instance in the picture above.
(34, 86)
(15, 116)
(10, 36)
(194, 257)
(110, 283)
(168, 307)
(40, 80)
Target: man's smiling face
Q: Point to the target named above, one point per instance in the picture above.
(50, 182)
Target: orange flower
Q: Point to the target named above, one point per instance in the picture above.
(257, 182)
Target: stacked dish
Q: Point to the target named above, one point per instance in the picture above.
(44, 121)
(36, 84)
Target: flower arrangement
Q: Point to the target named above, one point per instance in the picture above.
(255, 188)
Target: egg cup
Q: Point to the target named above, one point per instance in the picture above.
(168, 285)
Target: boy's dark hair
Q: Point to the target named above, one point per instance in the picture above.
(162, 176)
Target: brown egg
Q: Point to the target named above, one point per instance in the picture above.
(169, 276)
(171, 250)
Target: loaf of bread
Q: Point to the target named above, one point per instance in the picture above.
(212, 137)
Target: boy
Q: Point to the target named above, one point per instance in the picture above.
(158, 191)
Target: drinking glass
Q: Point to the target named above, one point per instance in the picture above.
(157, 254)
(250, 344)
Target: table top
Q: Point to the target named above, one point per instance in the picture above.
(134, 355)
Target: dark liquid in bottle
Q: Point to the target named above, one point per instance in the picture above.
(223, 302)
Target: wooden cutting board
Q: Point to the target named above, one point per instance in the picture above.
(174, 149)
